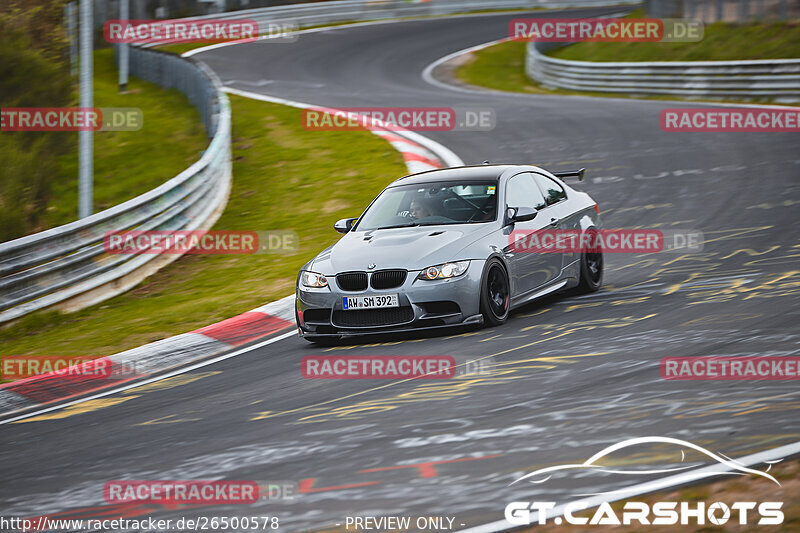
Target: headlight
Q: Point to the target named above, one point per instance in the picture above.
(312, 279)
(444, 271)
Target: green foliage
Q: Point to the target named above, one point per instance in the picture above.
(39, 170)
(32, 77)
(27, 170)
(502, 66)
(721, 41)
(284, 178)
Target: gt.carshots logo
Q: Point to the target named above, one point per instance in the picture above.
(691, 463)
(659, 514)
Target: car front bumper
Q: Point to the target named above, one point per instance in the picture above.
(424, 304)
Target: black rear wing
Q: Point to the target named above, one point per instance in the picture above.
(571, 174)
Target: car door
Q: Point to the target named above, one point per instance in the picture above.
(557, 210)
(528, 270)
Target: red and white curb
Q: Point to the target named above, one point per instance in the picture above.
(148, 359)
(419, 154)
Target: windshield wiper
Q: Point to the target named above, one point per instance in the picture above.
(438, 223)
(409, 225)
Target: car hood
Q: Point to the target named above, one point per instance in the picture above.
(407, 248)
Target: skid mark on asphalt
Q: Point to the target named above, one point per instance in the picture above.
(702, 278)
(80, 408)
(169, 419)
(110, 401)
(417, 469)
(588, 325)
(449, 390)
(174, 381)
(699, 282)
(536, 313)
(408, 341)
(663, 455)
(724, 318)
(426, 392)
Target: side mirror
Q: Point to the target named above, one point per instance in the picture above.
(520, 214)
(344, 225)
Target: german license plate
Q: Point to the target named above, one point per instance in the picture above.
(369, 302)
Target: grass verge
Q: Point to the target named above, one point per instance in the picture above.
(285, 178)
(721, 41)
(502, 66)
(130, 163)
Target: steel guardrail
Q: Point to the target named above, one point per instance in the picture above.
(769, 78)
(311, 14)
(68, 265)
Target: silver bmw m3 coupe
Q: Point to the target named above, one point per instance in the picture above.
(441, 249)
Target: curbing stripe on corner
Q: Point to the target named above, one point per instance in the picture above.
(442, 156)
(149, 359)
(419, 154)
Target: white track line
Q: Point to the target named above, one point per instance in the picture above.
(444, 153)
(210, 47)
(644, 488)
(156, 378)
(427, 76)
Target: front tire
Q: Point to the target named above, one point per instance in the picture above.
(495, 294)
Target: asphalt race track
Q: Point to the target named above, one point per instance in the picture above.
(571, 374)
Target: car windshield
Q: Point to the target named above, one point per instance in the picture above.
(429, 204)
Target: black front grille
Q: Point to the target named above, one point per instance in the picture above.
(352, 281)
(373, 317)
(388, 279)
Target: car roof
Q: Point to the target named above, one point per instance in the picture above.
(466, 173)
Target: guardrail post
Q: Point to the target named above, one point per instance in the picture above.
(72, 26)
(124, 14)
(85, 137)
